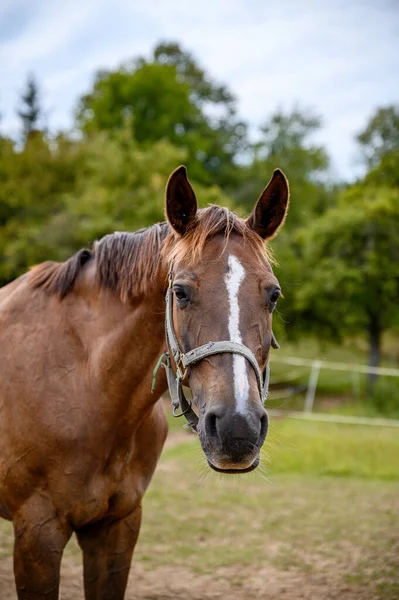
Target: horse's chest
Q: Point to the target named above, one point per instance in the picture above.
(107, 495)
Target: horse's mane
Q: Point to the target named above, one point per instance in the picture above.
(59, 278)
(127, 263)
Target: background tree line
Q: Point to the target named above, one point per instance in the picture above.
(339, 250)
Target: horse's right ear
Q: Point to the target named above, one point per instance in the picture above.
(181, 203)
(271, 209)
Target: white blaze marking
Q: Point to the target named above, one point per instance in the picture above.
(233, 281)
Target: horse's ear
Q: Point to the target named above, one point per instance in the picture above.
(181, 203)
(272, 207)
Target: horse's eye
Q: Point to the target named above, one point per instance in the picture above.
(181, 295)
(275, 296)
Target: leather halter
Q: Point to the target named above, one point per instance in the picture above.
(184, 361)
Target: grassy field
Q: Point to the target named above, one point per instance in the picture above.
(324, 505)
(314, 449)
(319, 520)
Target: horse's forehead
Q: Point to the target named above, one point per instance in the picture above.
(215, 260)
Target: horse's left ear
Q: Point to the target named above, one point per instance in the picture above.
(272, 207)
(181, 203)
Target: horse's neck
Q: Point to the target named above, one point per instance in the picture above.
(123, 341)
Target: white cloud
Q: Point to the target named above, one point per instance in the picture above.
(47, 34)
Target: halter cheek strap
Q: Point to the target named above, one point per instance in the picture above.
(184, 361)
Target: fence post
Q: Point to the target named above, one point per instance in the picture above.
(356, 384)
(311, 391)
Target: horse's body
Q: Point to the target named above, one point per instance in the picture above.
(80, 430)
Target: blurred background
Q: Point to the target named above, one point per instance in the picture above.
(100, 101)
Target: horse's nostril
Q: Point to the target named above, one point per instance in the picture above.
(264, 424)
(228, 430)
(211, 427)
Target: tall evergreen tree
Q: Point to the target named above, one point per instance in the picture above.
(30, 111)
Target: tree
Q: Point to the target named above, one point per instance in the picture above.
(351, 262)
(33, 185)
(380, 147)
(286, 142)
(169, 97)
(30, 112)
(203, 90)
(380, 138)
(64, 196)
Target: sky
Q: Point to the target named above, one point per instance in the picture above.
(337, 58)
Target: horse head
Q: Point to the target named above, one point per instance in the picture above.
(222, 293)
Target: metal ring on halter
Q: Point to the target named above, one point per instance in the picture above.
(182, 412)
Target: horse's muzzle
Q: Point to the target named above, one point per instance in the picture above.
(233, 440)
(236, 471)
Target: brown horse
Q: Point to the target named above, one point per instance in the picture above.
(80, 430)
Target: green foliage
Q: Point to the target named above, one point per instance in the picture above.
(286, 143)
(340, 265)
(352, 253)
(188, 70)
(168, 97)
(123, 186)
(32, 187)
(380, 138)
(385, 396)
(386, 173)
(380, 146)
(156, 103)
(350, 258)
(58, 197)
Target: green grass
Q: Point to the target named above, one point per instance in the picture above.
(325, 505)
(311, 448)
(317, 449)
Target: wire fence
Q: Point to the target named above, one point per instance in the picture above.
(293, 391)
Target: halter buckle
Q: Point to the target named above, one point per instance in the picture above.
(181, 375)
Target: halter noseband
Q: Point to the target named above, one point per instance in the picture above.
(184, 361)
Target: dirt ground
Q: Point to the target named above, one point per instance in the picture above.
(180, 584)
